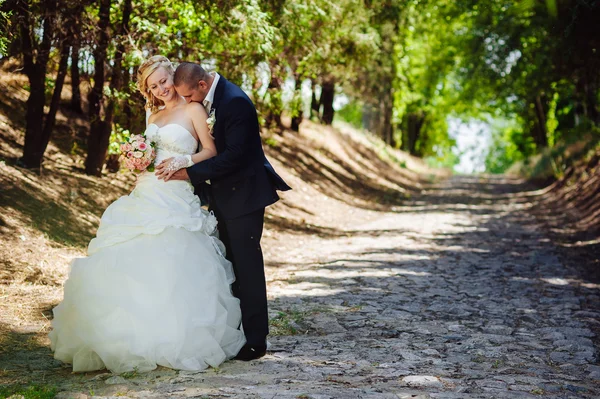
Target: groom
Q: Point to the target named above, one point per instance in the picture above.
(238, 184)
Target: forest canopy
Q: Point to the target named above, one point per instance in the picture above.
(529, 69)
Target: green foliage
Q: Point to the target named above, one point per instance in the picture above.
(351, 113)
(271, 142)
(4, 29)
(509, 145)
(447, 160)
(117, 137)
(553, 162)
(412, 64)
(29, 392)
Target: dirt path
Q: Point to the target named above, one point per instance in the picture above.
(455, 295)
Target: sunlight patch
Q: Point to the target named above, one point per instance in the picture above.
(411, 273)
(555, 281)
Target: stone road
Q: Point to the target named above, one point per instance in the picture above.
(455, 295)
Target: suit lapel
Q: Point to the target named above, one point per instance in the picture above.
(218, 93)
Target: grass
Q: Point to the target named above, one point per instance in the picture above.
(553, 162)
(130, 374)
(29, 392)
(293, 321)
(286, 323)
(282, 325)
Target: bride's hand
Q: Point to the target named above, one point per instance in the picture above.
(168, 167)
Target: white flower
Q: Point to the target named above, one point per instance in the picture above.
(138, 154)
(212, 119)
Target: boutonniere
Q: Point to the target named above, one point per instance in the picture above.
(211, 122)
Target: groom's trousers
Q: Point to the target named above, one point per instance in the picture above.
(241, 237)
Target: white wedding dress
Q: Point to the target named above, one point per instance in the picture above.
(155, 287)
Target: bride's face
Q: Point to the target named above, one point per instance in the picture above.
(160, 83)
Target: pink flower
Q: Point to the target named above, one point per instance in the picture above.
(138, 153)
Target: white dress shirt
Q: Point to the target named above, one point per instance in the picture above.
(210, 97)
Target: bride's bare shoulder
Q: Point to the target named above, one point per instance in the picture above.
(195, 107)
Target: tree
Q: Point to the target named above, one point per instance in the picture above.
(101, 118)
(36, 49)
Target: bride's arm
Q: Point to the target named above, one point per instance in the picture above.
(198, 115)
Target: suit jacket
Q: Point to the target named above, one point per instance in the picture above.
(242, 179)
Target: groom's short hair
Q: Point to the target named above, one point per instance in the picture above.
(190, 74)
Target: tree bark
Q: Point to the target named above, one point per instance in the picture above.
(414, 124)
(56, 95)
(327, 96)
(541, 136)
(386, 112)
(297, 118)
(315, 107)
(75, 78)
(95, 96)
(35, 63)
(99, 132)
(591, 98)
(275, 105)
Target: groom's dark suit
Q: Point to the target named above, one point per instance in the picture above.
(243, 183)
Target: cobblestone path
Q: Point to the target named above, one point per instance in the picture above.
(456, 295)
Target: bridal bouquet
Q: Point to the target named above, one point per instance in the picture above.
(138, 153)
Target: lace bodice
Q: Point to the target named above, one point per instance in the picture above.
(171, 140)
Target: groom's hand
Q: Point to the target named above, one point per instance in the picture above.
(181, 174)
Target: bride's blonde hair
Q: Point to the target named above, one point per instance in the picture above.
(145, 70)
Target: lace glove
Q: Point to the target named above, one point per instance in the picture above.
(179, 162)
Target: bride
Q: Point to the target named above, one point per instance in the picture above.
(155, 287)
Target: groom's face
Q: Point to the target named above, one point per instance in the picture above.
(196, 93)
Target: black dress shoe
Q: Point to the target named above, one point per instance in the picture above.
(248, 352)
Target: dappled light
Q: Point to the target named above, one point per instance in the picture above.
(389, 274)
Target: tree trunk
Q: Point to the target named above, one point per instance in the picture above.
(33, 150)
(298, 113)
(386, 112)
(35, 67)
(367, 117)
(541, 136)
(591, 98)
(273, 117)
(327, 96)
(315, 107)
(75, 78)
(58, 86)
(116, 81)
(415, 123)
(127, 118)
(95, 96)
(99, 132)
